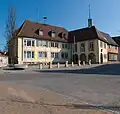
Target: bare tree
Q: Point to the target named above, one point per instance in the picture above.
(10, 26)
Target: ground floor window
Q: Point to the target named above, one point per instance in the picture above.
(112, 57)
(42, 54)
(28, 54)
(64, 55)
(54, 55)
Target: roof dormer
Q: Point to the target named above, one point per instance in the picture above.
(53, 33)
(40, 33)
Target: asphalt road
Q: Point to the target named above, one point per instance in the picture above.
(99, 85)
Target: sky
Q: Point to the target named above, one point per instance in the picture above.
(70, 14)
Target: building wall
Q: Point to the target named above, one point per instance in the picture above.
(87, 52)
(17, 48)
(119, 53)
(20, 56)
(113, 53)
(98, 50)
(37, 49)
(102, 50)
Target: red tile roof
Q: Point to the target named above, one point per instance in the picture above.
(89, 34)
(30, 29)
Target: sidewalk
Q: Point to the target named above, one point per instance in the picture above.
(20, 99)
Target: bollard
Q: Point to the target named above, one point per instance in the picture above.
(58, 65)
(72, 64)
(40, 65)
(84, 63)
(79, 63)
(89, 62)
(66, 64)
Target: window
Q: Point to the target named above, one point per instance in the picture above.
(91, 46)
(54, 55)
(56, 44)
(42, 54)
(25, 43)
(40, 32)
(64, 55)
(116, 47)
(39, 43)
(42, 43)
(101, 44)
(63, 45)
(52, 44)
(28, 54)
(64, 36)
(39, 54)
(28, 42)
(32, 54)
(113, 57)
(66, 46)
(105, 45)
(69, 46)
(33, 43)
(53, 34)
(109, 46)
(82, 47)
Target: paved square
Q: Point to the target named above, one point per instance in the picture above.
(99, 85)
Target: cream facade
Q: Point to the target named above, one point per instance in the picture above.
(31, 50)
(94, 50)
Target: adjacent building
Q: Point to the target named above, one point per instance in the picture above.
(91, 44)
(3, 59)
(117, 40)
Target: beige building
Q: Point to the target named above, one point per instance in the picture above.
(39, 43)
